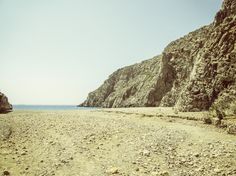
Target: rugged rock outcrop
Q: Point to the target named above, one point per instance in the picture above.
(195, 72)
(5, 106)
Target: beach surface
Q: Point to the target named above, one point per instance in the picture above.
(100, 142)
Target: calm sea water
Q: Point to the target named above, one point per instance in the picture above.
(48, 107)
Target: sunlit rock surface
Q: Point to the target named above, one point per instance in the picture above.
(194, 73)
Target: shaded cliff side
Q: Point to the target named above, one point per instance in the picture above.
(5, 106)
(195, 72)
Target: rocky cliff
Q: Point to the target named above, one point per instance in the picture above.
(194, 73)
(5, 106)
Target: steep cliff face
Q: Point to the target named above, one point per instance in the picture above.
(213, 75)
(129, 86)
(194, 73)
(5, 106)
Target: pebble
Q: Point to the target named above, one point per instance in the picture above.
(217, 170)
(164, 173)
(5, 173)
(146, 152)
(23, 153)
(196, 154)
(113, 170)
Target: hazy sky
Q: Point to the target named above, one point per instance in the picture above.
(57, 51)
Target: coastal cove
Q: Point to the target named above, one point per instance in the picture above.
(173, 114)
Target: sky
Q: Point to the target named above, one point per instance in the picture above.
(54, 52)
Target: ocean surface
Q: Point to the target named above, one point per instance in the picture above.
(48, 107)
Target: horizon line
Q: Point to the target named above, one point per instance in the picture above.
(44, 105)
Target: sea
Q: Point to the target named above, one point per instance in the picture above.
(49, 107)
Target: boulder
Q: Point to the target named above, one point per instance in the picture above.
(5, 106)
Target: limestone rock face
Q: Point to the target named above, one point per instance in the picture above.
(129, 86)
(195, 72)
(5, 106)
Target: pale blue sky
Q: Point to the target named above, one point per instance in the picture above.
(57, 51)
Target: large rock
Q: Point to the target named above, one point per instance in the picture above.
(5, 106)
(194, 73)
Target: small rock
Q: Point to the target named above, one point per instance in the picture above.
(199, 169)
(232, 129)
(217, 170)
(146, 153)
(183, 160)
(64, 161)
(197, 155)
(154, 173)
(164, 173)
(6, 173)
(113, 170)
(23, 153)
(207, 120)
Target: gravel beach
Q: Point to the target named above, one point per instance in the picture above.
(128, 142)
